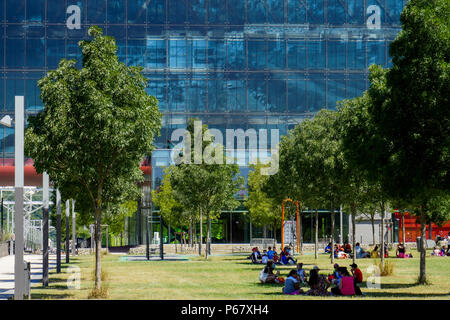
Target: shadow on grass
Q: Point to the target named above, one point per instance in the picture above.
(379, 294)
(44, 296)
(392, 285)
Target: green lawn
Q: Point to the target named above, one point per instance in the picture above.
(234, 277)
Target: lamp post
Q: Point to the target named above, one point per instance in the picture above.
(45, 198)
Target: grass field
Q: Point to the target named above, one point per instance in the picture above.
(234, 277)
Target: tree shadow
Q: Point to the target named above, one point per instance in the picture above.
(44, 296)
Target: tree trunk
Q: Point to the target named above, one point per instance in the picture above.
(353, 209)
(403, 228)
(372, 220)
(274, 235)
(423, 252)
(191, 242)
(316, 236)
(300, 233)
(201, 233)
(195, 232)
(98, 248)
(382, 234)
(332, 234)
(264, 235)
(207, 236)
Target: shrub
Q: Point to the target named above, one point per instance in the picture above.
(388, 269)
(101, 293)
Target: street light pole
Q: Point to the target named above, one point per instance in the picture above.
(58, 231)
(74, 230)
(19, 274)
(45, 198)
(67, 230)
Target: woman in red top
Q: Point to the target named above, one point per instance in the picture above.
(358, 278)
(346, 285)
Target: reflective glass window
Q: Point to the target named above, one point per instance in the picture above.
(356, 54)
(381, 6)
(35, 10)
(196, 11)
(177, 11)
(376, 53)
(2, 46)
(336, 12)
(15, 10)
(336, 54)
(296, 95)
(256, 11)
(121, 50)
(256, 55)
(296, 55)
(393, 10)
(355, 87)
(336, 92)
(137, 11)
(197, 96)
(177, 95)
(217, 11)
(316, 54)
(15, 49)
(216, 54)
(156, 53)
(296, 11)
(198, 54)
(276, 51)
(14, 87)
(256, 94)
(136, 52)
(35, 31)
(316, 11)
(116, 11)
(356, 12)
(217, 95)
(74, 52)
(96, 11)
(177, 53)
(275, 11)
(236, 12)
(156, 11)
(33, 101)
(236, 94)
(56, 50)
(389, 62)
(56, 11)
(276, 95)
(2, 92)
(316, 90)
(157, 88)
(35, 53)
(235, 55)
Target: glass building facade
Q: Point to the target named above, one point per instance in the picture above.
(234, 64)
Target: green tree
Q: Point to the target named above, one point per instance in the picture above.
(97, 125)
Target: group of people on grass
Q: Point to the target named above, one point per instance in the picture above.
(345, 251)
(340, 282)
(285, 256)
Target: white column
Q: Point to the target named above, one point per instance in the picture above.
(74, 238)
(19, 274)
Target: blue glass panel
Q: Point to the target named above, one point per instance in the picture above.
(297, 96)
(236, 94)
(316, 89)
(35, 10)
(157, 11)
(257, 94)
(355, 88)
(196, 11)
(356, 55)
(236, 12)
(96, 11)
(276, 95)
(15, 31)
(256, 55)
(393, 10)
(296, 11)
(257, 11)
(121, 50)
(157, 88)
(74, 52)
(276, 51)
(296, 55)
(15, 49)
(389, 63)
(56, 11)
(217, 95)
(14, 87)
(56, 32)
(275, 11)
(236, 55)
(336, 55)
(197, 96)
(198, 54)
(336, 12)
(2, 47)
(136, 52)
(35, 31)
(376, 53)
(177, 11)
(56, 50)
(116, 11)
(377, 3)
(2, 93)
(177, 95)
(156, 54)
(217, 11)
(118, 32)
(356, 12)
(336, 92)
(35, 53)
(33, 101)
(137, 11)
(137, 32)
(315, 12)
(316, 54)
(177, 53)
(15, 10)
(216, 54)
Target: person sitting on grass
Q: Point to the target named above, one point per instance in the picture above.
(301, 273)
(292, 285)
(267, 276)
(374, 253)
(255, 255)
(401, 251)
(264, 258)
(328, 248)
(270, 253)
(318, 283)
(276, 258)
(346, 285)
(347, 247)
(286, 257)
(357, 278)
(360, 253)
(335, 277)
